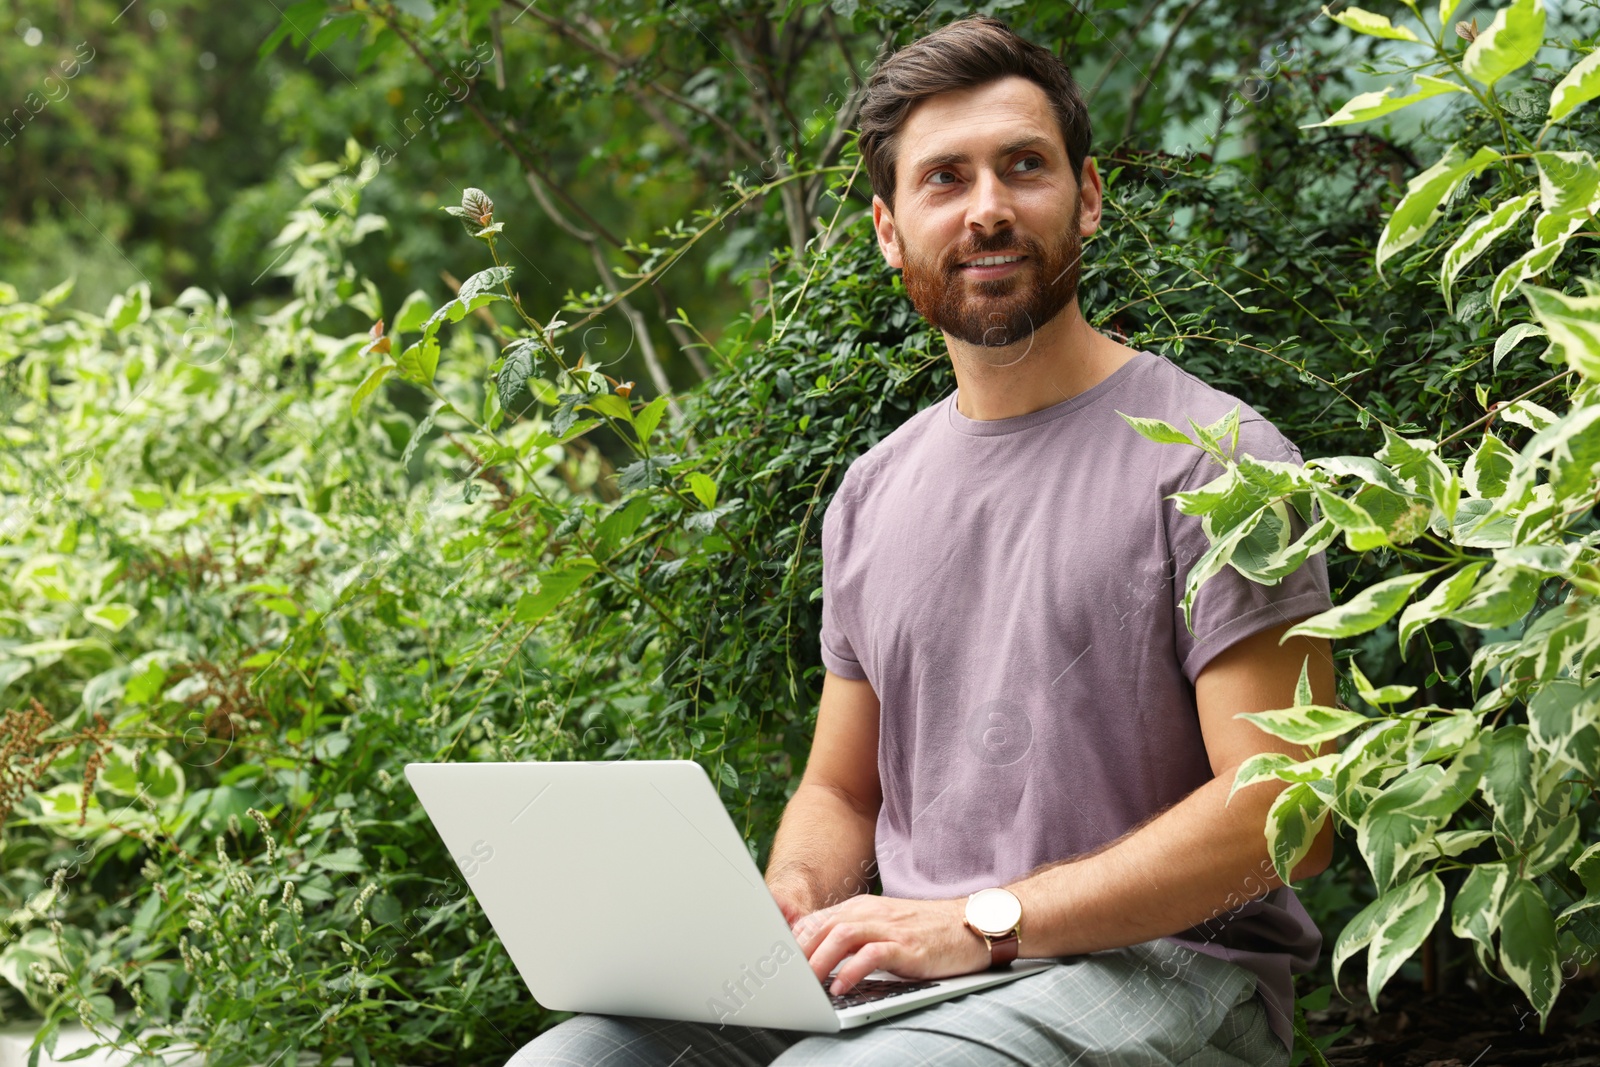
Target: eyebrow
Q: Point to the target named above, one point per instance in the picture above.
(946, 159)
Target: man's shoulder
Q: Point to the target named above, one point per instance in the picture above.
(1177, 396)
(894, 448)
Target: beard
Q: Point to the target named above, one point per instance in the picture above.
(996, 312)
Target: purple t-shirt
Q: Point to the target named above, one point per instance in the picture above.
(1013, 589)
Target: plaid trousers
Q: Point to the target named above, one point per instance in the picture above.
(1153, 1004)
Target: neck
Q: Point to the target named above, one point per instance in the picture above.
(1064, 358)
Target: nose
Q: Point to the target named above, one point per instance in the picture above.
(990, 208)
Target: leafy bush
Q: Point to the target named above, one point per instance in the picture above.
(1509, 539)
(259, 566)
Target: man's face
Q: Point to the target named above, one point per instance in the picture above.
(984, 172)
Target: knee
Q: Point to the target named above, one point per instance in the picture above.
(583, 1039)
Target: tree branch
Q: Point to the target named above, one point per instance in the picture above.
(1155, 65)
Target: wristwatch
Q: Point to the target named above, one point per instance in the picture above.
(996, 916)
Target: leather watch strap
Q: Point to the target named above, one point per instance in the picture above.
(1002, 950)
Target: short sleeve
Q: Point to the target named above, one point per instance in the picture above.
(838, 644)
(1229, 607)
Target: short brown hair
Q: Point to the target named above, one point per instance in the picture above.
(963, 54)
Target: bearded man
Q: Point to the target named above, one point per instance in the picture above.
(1016, 708)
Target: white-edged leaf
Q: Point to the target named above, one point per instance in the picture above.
(1442, 599)
(1580, 85)
(1367, 610)
(1370, 23)
(1528, 946)
(1293, 821)
(1477, 237)
(1475, 915)
(1401, 927)
(1364, 107)
(1157, 430)
(1509, 42)
(1514, 336)
(1420, 208)
(1305, 724)
(1573, 323)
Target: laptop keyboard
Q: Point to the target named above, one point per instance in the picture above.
(869, 989)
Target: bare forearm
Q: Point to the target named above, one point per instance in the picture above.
(1195, 862)
(824, 847)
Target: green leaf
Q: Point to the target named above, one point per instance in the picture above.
(1373, 25)
(1305, 724)
(1367, 610)
(1502, 598)
(482, 282)
(420, 361)
(1389, 694)
(1365, 107)
(128, 308)
(1400, 927)
(519, 365)
(1302, 685)
(644, 424)
(1446, 9)
(1508, 782)
(1587, 867)
(1263, 766)
(1515, 336)
(1162, 433)
(1509, 42)
(1581, 84)
(554, 587)
(1361, 532)
(1420, 208)
(1455, 842)
(413, 313)
(1442, 599)
(57, 293)
(369, 385)
(343, 860)
(1296, 815)
(1475, 915)
(1561, 711)
(704, 488)
(610, 404)
(1553, 847)
(1489, 467)
(111, 616)
(1357, 933)
(1400, 822)
(1366, 468)
(621, 523)
(1479, 235)
(1528, 947)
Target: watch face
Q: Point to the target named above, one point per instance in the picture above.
(994, 911)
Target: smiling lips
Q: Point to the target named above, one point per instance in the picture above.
(992, 266)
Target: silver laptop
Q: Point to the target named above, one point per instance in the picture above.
(624, 888)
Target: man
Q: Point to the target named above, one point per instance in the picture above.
(1014, 702)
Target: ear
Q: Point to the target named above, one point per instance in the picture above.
(1091, 196)
(888, 239)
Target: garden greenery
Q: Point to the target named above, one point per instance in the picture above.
(257, 564)
(1506, 536)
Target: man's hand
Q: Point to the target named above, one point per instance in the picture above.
(912, 938)
(793, 900)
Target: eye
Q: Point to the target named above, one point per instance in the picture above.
(1031, 159)
(936, 173)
